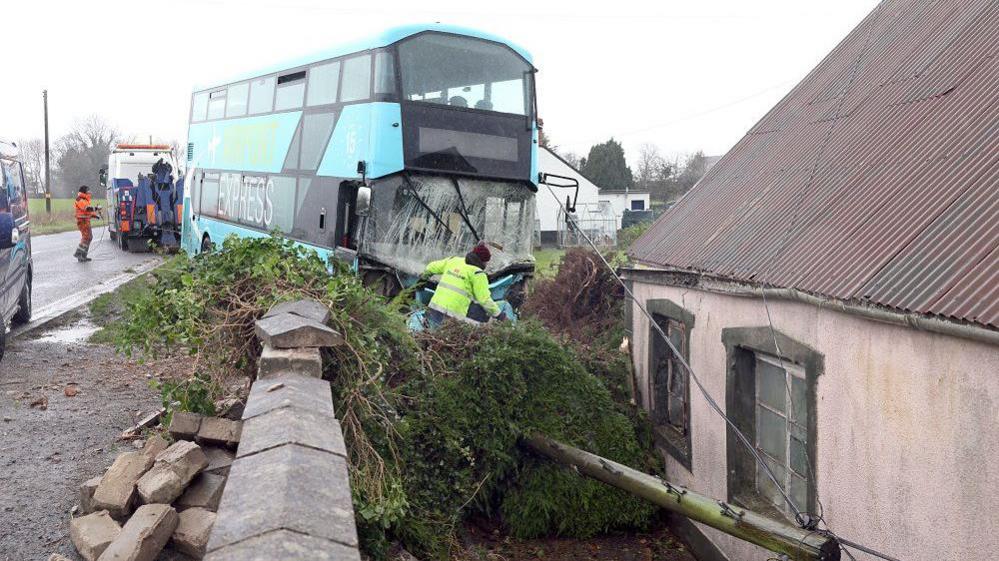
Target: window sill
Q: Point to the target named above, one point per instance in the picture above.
(674, 443)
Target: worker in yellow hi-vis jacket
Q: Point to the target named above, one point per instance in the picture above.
(463, 281)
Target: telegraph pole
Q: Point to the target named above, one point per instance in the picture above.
(48, 186)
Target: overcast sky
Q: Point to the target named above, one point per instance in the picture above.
(681, 75)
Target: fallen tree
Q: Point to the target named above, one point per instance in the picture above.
(432, 422)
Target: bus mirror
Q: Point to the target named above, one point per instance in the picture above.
(362, 205)
(103, 177)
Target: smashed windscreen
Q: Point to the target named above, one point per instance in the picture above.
(418, 219)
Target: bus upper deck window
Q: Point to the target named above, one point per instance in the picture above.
(472, 73)
(216, 104)
(199, 107)
(323, 82)
(236, 104)
(262, 95)
(290, 91)
(356, 79)
(384, 73)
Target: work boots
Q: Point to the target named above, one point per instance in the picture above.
(81, 254)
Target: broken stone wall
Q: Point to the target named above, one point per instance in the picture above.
(288, 495)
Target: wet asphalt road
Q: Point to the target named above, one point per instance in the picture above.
(58, 275)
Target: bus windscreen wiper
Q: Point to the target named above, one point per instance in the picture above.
(419, 199)
(464, 209)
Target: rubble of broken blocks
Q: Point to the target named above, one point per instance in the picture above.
(163, 495)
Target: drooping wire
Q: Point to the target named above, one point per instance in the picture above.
(683, 361)
(782, 246)
(707, 396)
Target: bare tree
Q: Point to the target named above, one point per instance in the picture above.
(82, 152)
(180, 152)
(571, 158)
(654, 172)
(33, 162)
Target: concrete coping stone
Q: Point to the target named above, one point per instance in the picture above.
(289, 390)
(291, 425)
(291, 331)
(290, 487)
(306, 308)
(286, 546)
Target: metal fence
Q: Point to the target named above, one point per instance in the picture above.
(597, 221)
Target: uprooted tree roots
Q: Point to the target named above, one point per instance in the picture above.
(431, 421)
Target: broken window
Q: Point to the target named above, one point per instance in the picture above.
(669, 381)
(420, 218)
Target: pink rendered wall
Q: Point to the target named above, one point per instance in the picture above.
(908, 426)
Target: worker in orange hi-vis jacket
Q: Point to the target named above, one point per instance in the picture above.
(85, 212)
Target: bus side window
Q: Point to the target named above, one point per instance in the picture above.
(199, 107)
(262, 95)
(356, 79)
(323, 82)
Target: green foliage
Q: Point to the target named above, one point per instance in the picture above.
(628, 235)
(605, 165)
(431, 422)
(196, 395)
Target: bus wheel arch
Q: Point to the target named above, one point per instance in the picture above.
(207, 245)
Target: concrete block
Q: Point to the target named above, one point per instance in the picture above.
(193, 529)
(286, 546)
(160, 485)
(304, 362)
(144, 535)
(290, 487)
(307, 308)
(184, 425)
(87, 489)
(185, 457)
(116, 490)
(154, 445)
(175, 468)
(219, 460)
(93, 533)
(291, 331)
(219, 432)
(302, 392)
(205, 492)
(291, 425)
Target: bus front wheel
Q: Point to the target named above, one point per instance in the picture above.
(207, 246)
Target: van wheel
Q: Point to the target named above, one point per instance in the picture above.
(23, 314)
(207, 246)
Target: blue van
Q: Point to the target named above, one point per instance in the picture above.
(15, 244)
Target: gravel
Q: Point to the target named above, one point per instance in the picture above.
(45, 454)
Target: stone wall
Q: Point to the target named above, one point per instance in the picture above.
(288, 495)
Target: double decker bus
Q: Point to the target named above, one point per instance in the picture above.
(388, 153)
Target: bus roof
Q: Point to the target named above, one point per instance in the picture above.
(383, 39)
(9, 150)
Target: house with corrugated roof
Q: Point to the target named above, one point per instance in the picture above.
(833, 283)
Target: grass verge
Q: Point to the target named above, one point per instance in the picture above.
(62, 218)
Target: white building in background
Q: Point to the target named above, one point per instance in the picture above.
(621, 200)
(548, 219)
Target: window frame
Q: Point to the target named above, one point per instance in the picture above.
(677, 443)
(743, 345)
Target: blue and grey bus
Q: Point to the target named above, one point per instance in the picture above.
(388, 153)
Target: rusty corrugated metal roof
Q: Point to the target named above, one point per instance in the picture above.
(876, 179)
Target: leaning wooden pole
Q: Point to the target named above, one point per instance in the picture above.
(798, 544)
